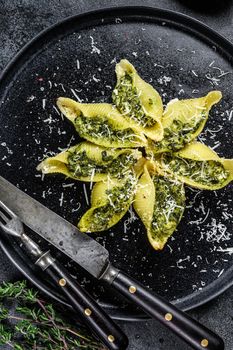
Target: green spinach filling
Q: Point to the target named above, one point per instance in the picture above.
(209, 172)
(119, 198)
(126, 98)
(100, 128)
(169, 207)
(178, 134)
(81, 165)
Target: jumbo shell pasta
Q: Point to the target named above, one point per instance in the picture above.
(138, 101)
(199, 166)
(183, 121)
(160, 203)
(89, 162)
(110, 200)
(101, 124)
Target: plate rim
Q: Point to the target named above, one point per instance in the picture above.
(225, 281)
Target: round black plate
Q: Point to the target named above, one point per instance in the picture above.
(76, 58)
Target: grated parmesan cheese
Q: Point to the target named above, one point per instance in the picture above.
(43, 103)
(61, 199)
(76, 96)
(226, 250)
(85, 194)
(93, 46)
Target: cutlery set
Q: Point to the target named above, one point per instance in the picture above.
(19, 211)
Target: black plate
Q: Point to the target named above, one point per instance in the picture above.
(77, 56)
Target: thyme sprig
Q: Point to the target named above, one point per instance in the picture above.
(28, 322)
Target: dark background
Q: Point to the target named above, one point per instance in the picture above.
(19, 22)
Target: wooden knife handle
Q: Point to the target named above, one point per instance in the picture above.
(86, 307)
(196, 335)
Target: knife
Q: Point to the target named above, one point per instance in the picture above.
(94, 258)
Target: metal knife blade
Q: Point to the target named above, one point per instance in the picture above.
(84, 250)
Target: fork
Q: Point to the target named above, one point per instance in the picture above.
(89, 311)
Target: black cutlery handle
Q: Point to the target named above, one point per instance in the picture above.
(89, 311)
(196, 335)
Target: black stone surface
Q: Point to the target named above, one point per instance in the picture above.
(20, 20)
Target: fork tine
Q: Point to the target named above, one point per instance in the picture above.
(10, 222)
(3, 217)
(7, 210)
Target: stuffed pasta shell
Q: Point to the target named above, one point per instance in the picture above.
(89, 162)
(183, 121)
(160, 203)
(101, 123)
(199, 166)
(138, 101)
(110, 200)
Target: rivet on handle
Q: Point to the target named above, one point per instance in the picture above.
(62, 282)
(204, 343)
(168, 317)
(132, 289)
(111, 338)
(87, 312)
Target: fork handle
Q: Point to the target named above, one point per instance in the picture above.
(90, 312)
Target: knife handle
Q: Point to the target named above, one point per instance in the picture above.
(90, 312)
(196, 335)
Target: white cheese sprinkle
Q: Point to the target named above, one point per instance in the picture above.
(229, 114)
(95, 79)
(76, 96)
(118, 20)
(62, 86)
(94, 48)
(31, 98)
(85, 194)
(92, 177)
(67, 185)
(43, 103)
(57, 111)
(61, 199)
(226, 250)
(194, 73)
(164, 80)
(221, 272)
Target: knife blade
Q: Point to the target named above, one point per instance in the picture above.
(95, 259)
(85, 251)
